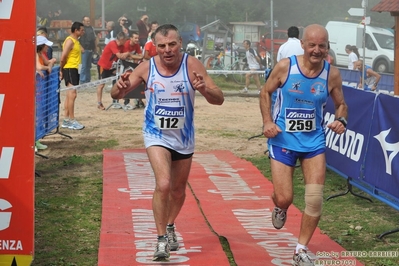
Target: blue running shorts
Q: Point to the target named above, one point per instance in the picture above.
(289, 157)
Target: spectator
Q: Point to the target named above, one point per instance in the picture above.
(353, 55)
(111, 35)
(153, 26)
(329, 58)
(253, 61)
(42, 31)
(88, 43)
(121, 26)
(42, 63)
(371, 78)
(69, 71)
(113, 51)
(150, 49)
(292, 46)
(135, 54)
(142, 26)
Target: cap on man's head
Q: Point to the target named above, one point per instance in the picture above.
(43, 40)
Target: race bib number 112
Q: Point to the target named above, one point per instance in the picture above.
(169, 117)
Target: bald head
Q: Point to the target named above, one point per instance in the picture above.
(315, 43)
(315, 30)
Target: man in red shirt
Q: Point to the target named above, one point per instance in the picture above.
(150, 49)
(133, 47)
(136, 55)
(113, 51)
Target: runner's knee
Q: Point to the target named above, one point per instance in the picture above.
(313, 199)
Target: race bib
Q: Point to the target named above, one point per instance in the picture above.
(169, 117)
(300, 120)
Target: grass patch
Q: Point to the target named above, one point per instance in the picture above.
(351, 221)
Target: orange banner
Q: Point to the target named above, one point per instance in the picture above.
(17, 131)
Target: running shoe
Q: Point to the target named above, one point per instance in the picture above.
(129, 107)
(40, 146)
(162, 251)
(66, 123)
(279, 216)
(172, 238)
(302, 259)
(75, 125)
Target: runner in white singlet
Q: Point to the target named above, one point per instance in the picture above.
(171, 79)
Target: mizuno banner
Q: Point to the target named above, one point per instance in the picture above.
(381, 168)
(346, 152)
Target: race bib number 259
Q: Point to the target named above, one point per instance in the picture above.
(169, 117)
(300, 120)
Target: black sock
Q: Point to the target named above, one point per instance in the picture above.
(170, 225)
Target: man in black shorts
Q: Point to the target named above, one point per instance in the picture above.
(69, 71)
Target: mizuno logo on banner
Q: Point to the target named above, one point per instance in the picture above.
(349, 144)
(392, 148)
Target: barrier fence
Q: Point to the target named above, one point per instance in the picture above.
(47, 102)
(367, 153)
(352, 78)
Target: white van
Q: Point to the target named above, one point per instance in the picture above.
(379, 44)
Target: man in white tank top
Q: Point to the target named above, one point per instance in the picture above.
(171, 79)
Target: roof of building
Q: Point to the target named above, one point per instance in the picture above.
(387, 6)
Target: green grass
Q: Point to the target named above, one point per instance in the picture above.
(351, 221)
(68, 197)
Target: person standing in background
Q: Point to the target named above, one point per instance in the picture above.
(111, 35)
(42, 31)
(88, 42)
(142, 26)
(153, 26)
(253, 61)
(69, 71)
(292, 46)
(371, 78)
(353, 55)
(112, 52)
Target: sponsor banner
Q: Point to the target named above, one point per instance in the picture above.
(346, 152)
(381, 168)
(17, 121)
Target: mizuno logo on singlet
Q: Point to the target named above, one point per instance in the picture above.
(300, 115)
(172, 112)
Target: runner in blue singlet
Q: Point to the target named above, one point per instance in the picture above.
(295, 129)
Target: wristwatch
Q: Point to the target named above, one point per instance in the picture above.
(342, 120)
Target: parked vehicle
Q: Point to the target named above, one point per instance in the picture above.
(279, 37)
(190, 33)
(379, 44)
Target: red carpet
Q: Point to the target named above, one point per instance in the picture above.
(234, 197)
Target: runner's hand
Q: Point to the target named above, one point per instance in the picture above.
(124, 81)
(198, 82)
(270, 130)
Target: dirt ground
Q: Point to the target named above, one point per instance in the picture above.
(225, 127)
